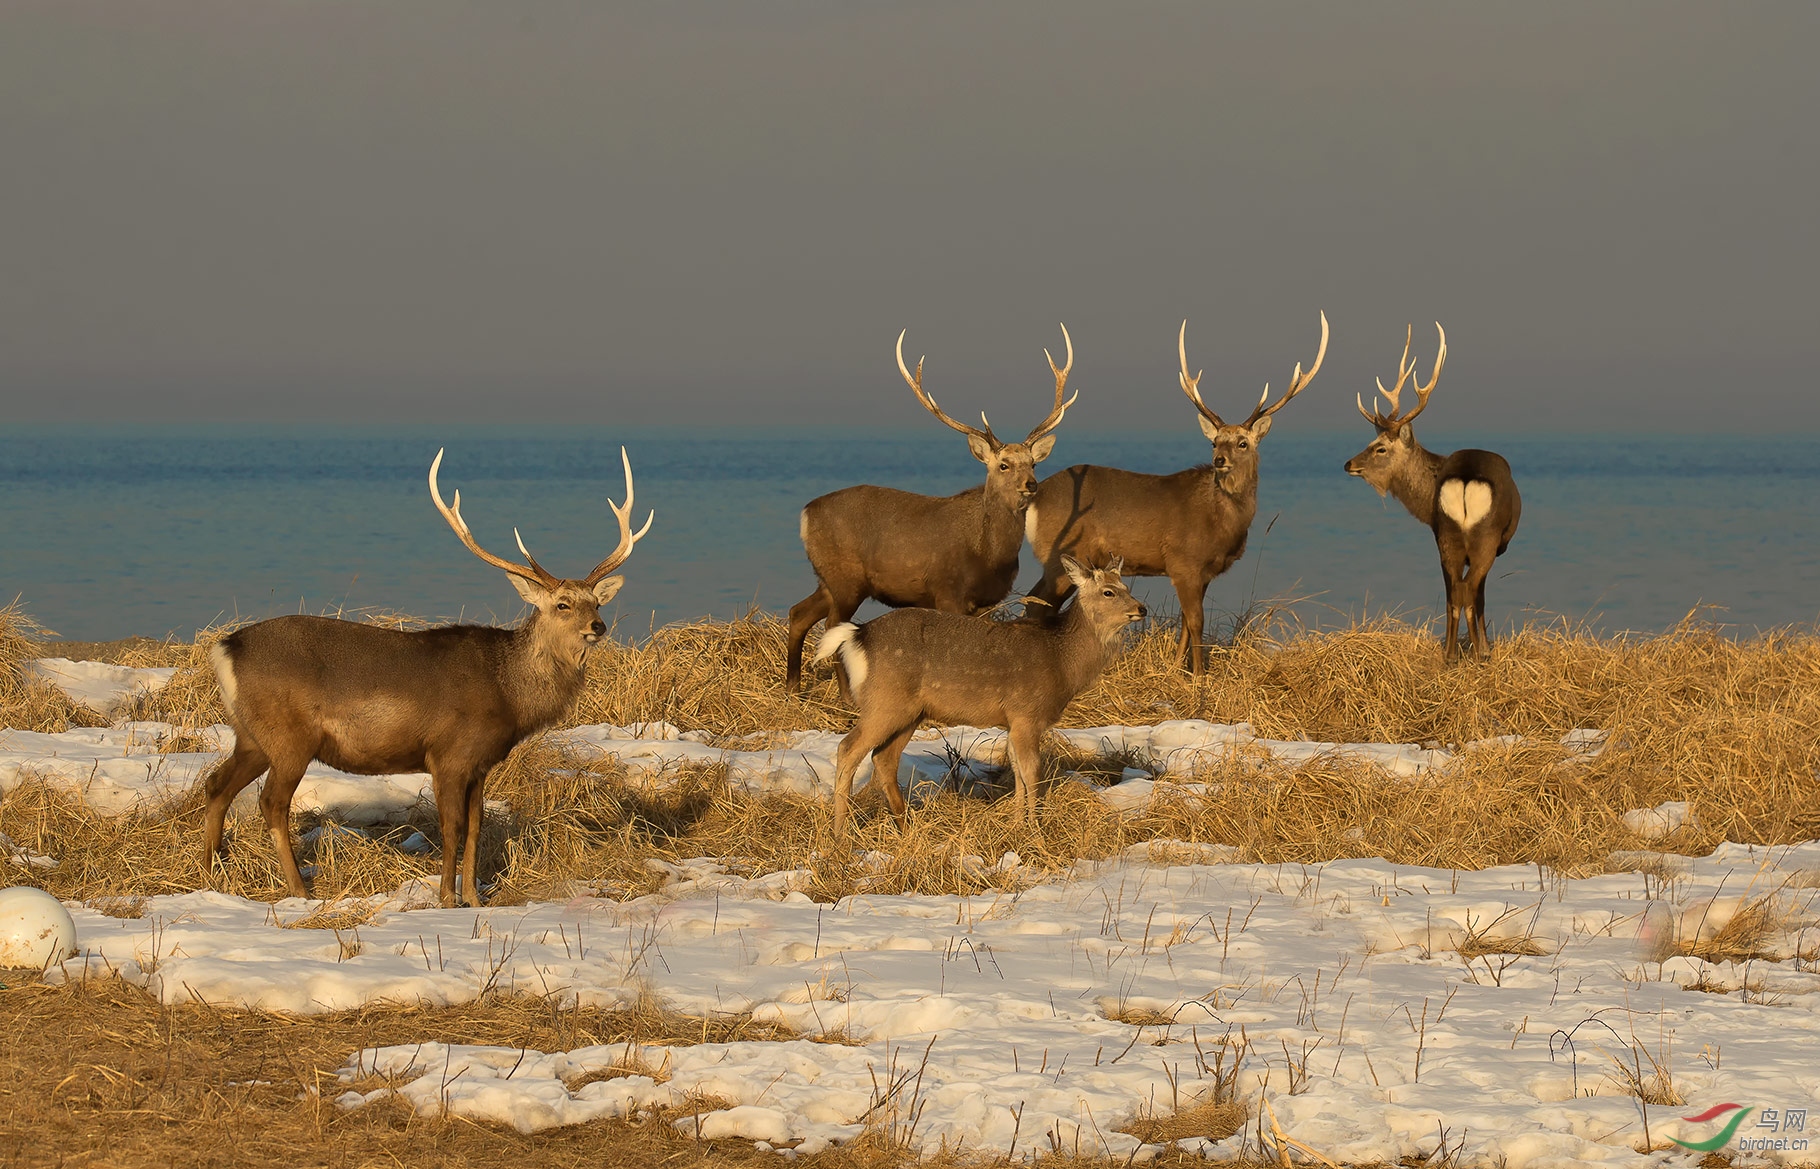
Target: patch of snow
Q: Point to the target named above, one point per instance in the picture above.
(98, 685)
(998, 1015)
(1655, 823)
(123, 767)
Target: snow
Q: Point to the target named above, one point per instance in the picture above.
(1357, 1018)
(98, 685)
(993, 1021)
(1655, 823)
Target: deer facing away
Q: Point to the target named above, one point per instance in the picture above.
(1468, 499)
(453, 700)
(916, 664)
(957, 553)
(1190, 526)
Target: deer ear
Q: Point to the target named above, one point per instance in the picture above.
(1404, 434)
(1209, 429)
(1260, 428)
(1080, 574)
(1117, 567)
(530, 590)
(982, 450)
(604, 590)
(1039, 450)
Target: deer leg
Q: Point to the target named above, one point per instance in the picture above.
(223, 784)
(1191, 594)
(1026, 763)
(470, 855)
(1451, 568)
(1481, 636)
(884, 771)
(1053, 588)
(275, 803)
(452, 818)
(803, 616)
(861, 741)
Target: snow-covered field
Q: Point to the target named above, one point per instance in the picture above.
(1367, 1003)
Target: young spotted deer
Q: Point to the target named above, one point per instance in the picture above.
(453, 700)
(1190, 526)
(917, 664)
(956, 553)
(1468, 499)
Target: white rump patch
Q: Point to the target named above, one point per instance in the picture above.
(1030, 524)
(224, 674)
(841, 640)
(802, 526)
(1465, 502)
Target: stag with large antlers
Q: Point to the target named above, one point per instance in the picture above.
(1468, 499)
(453, 700)
(956, 553)
(1190, 526)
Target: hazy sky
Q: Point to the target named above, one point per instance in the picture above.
(678, 212)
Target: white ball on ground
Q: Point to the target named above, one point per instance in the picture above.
(35, 929)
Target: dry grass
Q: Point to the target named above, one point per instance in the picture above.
(1732, 726)
(99, 1074)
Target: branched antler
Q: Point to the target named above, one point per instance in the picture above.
(1388, 420)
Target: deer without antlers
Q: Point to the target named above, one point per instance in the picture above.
(918, 664)
(1468, 499)
(1190, 526)
(956, 553)
(453, 700)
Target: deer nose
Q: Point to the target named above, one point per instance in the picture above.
(1349, 468)
(1143, 610)
(597, 627)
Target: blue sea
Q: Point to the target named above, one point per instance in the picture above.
(107, 531)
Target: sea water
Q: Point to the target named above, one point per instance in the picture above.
(107, 531)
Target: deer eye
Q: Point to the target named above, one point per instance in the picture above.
(1004, 466)
(1109, 592)
(562, 606)
(1243, 444)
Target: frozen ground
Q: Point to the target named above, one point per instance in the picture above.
(1368, 1003)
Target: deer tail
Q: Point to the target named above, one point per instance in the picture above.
(844, 640)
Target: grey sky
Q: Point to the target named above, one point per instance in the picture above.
(607, 212)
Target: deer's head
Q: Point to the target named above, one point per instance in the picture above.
(1235, 445)
(566, 618)
(1395, 448)
(1010, 466)
(1103, 598)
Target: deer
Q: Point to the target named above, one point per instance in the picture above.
(452, 700)
(956, 553)
(1190, 526)
(914, 664)
(1468, 499)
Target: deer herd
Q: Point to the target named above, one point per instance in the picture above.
(455, 700)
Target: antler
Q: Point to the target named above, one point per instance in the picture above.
(1192, 385)
(1388, 419)
(1298, 381)
(627, 539)
(1061, 380)
(532, 571)
(916, 384)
